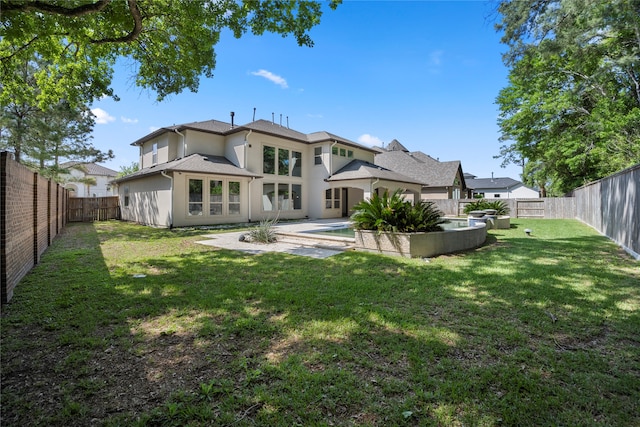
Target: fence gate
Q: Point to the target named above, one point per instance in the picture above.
(88, 209)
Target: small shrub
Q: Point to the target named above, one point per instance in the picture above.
(476, 205)
(264, 232)
(393, 213)
(500, 206)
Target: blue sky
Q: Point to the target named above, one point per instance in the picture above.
(423, 72)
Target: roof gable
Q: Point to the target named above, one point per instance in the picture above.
(196, 163)
(396, 146)
(89, 168)
(421, 167)
(360, 169)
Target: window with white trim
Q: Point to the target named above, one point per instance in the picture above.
(221, 196)
(154, 153)
(332, 198)
(317, 156)
(195, 197)
(281, 196)
(281, 161)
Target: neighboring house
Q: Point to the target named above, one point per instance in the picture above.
(213, 172)
(440, 180)
(499, 188)
(88, 179)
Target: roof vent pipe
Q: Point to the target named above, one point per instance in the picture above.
(254, 114)
(273, 118)
(232, 114)
(280, 119)
(287, 122)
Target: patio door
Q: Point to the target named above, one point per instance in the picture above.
(345, 202)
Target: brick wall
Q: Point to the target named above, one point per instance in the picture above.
(32, 213)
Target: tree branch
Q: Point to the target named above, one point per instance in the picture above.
(40, 6)
(134, 33)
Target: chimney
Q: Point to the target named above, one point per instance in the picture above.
(232, 114)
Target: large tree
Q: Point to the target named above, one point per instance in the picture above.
(571, 111)
(170, 42)
(41, 136)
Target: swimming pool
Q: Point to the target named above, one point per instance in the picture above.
(349, 233)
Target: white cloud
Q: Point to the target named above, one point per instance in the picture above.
(102, 117)
(153, 128)
(435, 57)
(370, 140)
(271, 77)
(315, 116)
(128, 120)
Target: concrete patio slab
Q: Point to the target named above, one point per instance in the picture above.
(292, 239)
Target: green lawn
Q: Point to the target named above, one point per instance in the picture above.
(540, 330)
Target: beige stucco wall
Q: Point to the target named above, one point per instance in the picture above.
(146, 151)
(149, 201)
(204, 143)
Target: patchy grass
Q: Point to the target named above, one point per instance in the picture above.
(539, 330)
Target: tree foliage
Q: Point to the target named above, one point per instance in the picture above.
(571, 110)
(42, 136)
(128, 170)
(170, 43)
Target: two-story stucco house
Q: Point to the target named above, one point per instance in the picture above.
(213, 172)
(88, 179)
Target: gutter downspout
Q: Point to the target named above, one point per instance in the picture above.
(246, 144)
(249, 197)
(372, 184)
(170, 199)
(184, 143)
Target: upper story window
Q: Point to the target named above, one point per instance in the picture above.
(154, 154)
(268, 160)
(283, 162)
(280, 161)
(317, 156)
(342, 152)
(296, 163)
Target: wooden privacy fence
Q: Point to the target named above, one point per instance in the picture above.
(87, 209)
(550, 207)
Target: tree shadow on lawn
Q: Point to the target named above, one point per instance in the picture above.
(528, 331)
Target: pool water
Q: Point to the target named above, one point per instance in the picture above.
(348, 231)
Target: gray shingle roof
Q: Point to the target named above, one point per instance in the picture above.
(492, 183)
(360, 169)
(421, 167)
(262, 126)
(197, 163)
(396, 146)
(90, 168)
